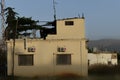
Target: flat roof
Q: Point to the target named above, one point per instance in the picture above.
(70, 18)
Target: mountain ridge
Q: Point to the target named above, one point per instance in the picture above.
(112, 45)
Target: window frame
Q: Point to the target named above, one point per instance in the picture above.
(69, 23)
(63, 59)
(26, 60)
(113, 56)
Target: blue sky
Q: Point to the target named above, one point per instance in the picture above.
(102, 17)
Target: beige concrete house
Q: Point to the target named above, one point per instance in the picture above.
(62, 53)
(102, 58)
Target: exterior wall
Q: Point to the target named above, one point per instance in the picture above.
(75, 31)
(45, 57)
(102, 58)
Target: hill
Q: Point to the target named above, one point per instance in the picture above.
(105, 44)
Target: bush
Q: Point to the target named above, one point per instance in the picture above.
(104, 69)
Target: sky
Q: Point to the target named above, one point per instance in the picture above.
(102, 17)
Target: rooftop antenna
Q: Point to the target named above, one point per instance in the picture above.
(2, 17)
(79, 15)
(83, 16)
(54, 9)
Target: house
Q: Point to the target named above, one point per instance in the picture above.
(61, 53)
(106, 58)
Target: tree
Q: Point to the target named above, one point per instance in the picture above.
(16, 25)
(10, 21)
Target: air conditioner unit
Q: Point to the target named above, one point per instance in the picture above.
(31, 49)
(61, 49)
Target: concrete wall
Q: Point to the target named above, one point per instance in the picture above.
(45, 57)
(102, 58)
(76, 31)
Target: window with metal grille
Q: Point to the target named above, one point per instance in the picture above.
(25, 60)
(69, 23)
(63, 59)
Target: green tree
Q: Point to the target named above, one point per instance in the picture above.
(16, 25)
(10, 21)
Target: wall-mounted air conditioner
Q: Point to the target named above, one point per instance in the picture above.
(61, 49)
(31, 49)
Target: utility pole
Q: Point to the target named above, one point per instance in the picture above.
(2, 36)
(2, 18)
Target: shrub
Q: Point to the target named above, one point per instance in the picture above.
(104, 69)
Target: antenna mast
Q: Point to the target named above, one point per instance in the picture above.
(2, 18)
(54, 9)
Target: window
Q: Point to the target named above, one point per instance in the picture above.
(113, 56)
(69, 23)
(25, 60)
(63, 59)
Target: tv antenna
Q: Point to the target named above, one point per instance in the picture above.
(2, 18)
(54, 8)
